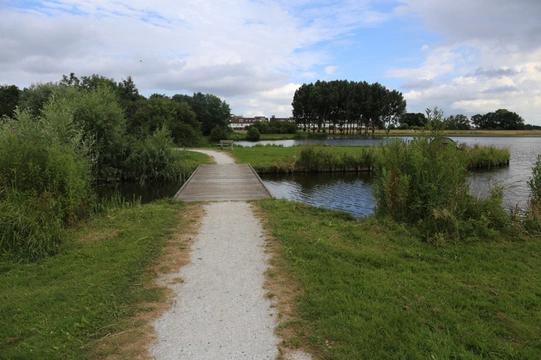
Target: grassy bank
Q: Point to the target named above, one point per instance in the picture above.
(309, 158)
(64, 306)
(372, 291)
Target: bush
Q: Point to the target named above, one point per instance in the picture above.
(425, 184)
(219, 133)
(532, 217)
(253, 134)
(153, 159)
(45, 184)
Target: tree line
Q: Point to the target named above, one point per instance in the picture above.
(187, 117)
(346, 106)
(501, 119)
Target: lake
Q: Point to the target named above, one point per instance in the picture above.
(353, 192)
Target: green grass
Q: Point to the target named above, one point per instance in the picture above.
(192, 159)
(286, 159)
(373, 291)
(57, 308)
(278, 158)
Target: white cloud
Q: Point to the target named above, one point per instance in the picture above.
(329, 70)
(489, 58)
(234, 49)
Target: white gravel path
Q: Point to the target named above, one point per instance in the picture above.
(220, 310)
(219, 157)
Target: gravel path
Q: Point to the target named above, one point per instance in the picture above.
(219, 157)
(220, 310)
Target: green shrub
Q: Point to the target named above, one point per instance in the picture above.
(219, 133)
(153, 159)
(45, 182)
(532, 216)
(425, 184)
(253, 134)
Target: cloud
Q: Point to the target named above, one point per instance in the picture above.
(500, 89)
(494, 72)
(488, 57)
(329, 70)
(417, 84)
(232, 49)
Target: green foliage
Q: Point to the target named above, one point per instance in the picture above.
(486, 157)
(535, 182)
(98, 113)
(219, 133)
(275, 127)
(34, 98)
(501, 119)
(44, 183)
(210, 111)
(253, 134)
(424, 183)
(9, 99)
(532, 218)
(153, 159)
(347, 105)
(323, 158)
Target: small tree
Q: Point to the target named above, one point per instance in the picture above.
(219, 133)
(253, 134)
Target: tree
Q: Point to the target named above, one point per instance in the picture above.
(9, 98)
(395, 107)
(253, 134)
(210, 111)
(413, 119)
(348, 105)
(35, 97)
(104, 126)
(219, 133)
(458, 122)
(501, 119)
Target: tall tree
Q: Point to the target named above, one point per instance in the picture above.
(35, 97)
(413, 119)
(210, 111)
(458, 122)
(9, 98)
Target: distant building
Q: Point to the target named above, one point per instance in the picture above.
(239, 123)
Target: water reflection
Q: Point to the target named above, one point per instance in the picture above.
(347, 192)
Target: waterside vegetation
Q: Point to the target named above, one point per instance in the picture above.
(321, 158)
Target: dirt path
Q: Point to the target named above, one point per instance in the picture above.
(220, 310)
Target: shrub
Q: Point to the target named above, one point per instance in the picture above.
(44, 184)
(153, 159)
(253, 134)
(219, 133)
(425, 184)
(532, 217)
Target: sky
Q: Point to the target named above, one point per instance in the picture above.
(463, 56)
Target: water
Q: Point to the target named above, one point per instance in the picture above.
(353, 192)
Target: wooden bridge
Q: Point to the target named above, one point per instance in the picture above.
(223, 183)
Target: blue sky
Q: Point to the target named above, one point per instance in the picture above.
(463, 56)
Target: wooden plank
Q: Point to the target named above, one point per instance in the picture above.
(223, 183)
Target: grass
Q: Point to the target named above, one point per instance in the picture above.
(372, 291)
(270, 159)
(61, 307)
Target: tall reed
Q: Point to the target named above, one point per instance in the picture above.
(424, 183)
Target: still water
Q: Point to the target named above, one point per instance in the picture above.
(353, 192)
